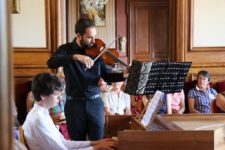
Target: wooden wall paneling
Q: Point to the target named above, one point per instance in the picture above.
(28, 61)
(121, 22)
(139, 37)
(161, 31)
(149, 29)
(181, 29)
(218, 77)
(172, 30)
(27, 57)
(216, 70)
(25, 72)
(72, 17)
(62, 29)
(53, 24)
(210, 59)
(57, 23)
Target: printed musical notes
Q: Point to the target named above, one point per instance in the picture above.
(152, 107)
(147, 77)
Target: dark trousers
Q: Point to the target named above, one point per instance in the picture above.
(85, 117)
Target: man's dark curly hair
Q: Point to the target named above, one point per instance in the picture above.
(44, 84)
(82, 24)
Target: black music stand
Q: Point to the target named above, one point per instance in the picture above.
(147, 77)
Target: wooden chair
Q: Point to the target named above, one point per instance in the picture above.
(22, 137)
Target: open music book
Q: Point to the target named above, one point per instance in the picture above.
(151, 110)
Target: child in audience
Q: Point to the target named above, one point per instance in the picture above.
(116, 101)
(39, 129)
(57, 112)
(104, 88)
(200, 97)
(175, 103)
(163, 107)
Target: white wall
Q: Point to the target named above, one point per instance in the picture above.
(209, 23)
(29, 26)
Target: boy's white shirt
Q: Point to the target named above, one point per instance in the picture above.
(41, 134)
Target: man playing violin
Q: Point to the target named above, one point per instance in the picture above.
(84, 108)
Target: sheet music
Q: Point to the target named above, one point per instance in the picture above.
(146, 78)
(146, 120)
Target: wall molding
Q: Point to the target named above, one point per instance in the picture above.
(48, 32)
(191, 29)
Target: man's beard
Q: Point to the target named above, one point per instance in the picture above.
(85, 45)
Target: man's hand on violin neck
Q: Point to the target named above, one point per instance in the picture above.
(84, 59)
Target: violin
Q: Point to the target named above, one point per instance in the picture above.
(108, 55)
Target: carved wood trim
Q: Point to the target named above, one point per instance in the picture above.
(172, 31)
(57, 23)
(200, 56)
(29, 72)
(181, 29)
(191, 38)
(215, 77)
(72, 17)
(62, 22)
(200, 49)
(207, 65)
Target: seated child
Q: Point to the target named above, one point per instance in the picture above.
(57, 112)
(175, 103)
(104, 88)
(39, 129)
(116, 101)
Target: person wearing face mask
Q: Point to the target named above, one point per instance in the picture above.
(84, 109)
(200, 97)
